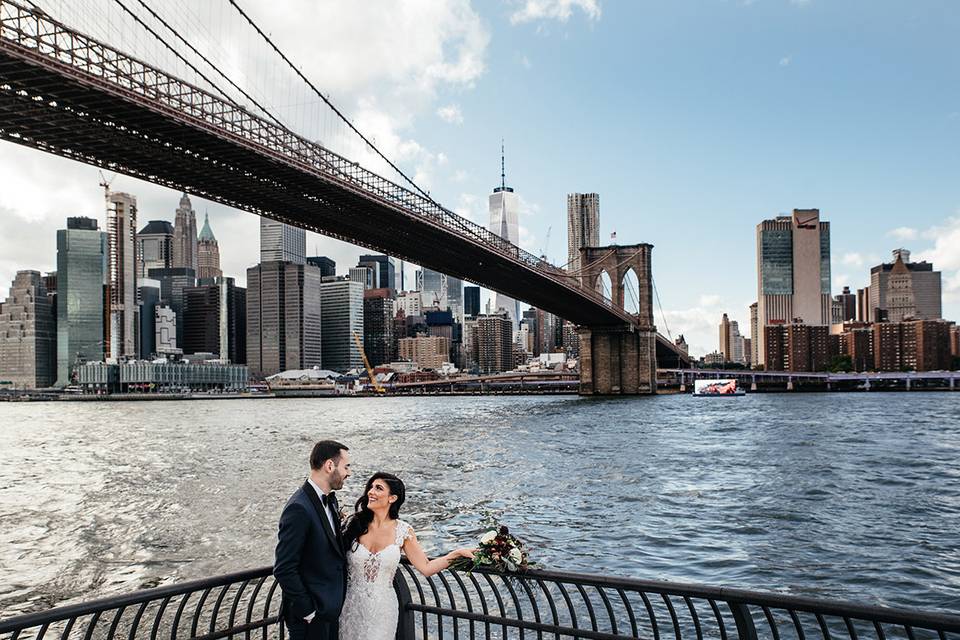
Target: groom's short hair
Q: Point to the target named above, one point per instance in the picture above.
(325, 450)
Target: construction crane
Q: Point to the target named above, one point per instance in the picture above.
(546, 244)
(366, 363)
(106, 184)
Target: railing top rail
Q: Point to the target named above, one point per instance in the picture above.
(825, 606)
(350, 173)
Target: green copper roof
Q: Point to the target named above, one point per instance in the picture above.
(205, 233)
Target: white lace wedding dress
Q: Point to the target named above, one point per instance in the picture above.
(370, 608)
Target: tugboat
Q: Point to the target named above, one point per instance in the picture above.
(721, 387)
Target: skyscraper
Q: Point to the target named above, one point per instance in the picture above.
(173, 282)
(342, 318)
(432, 286)
(386, 269)
(28, 333)
(754, 332)
(148, 292)
(185, 236)
(912, 290)
(494, 337)
(208, 252)
(328, 268)
(81, 270)
(725, 346)
(793, 272)
(282, 242)
(368, 276)
(215, 320)
(471, 301)
(504, 207)
(455, 297)
(283, 317)
(154, 247)
(583, 225)
(378, 319)
(122, 275)
(848, 305)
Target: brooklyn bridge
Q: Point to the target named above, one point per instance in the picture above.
(69, 94)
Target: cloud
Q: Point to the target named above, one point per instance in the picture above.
(785, 61)
(451, 114)
(852, 259)
(944, 254)
(903, 233)
(945, 258)
(710, 300)
(525, 62)
(383, 67)
(560, 10)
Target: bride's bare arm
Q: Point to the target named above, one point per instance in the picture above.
(420, 562)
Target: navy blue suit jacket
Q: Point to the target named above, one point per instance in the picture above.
(310, 563)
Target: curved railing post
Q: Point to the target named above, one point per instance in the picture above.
(406, 624)
(743, 620)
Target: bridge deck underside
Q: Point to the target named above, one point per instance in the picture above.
(71, 117)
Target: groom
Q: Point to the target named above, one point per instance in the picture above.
(310, 563)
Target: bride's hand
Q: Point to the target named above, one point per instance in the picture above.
(464, 552)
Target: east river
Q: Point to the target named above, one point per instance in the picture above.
(855, 496)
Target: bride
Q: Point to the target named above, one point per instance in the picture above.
(373, 538)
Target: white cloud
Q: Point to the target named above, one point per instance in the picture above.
(903, 233)
(852, 259)
(710, 300)
(383, 66)
(945, 256)
(561, 10)
(785, 61)
(451, 114)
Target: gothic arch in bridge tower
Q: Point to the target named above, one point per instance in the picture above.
(616, 261)
(619, 359)
(631, 291)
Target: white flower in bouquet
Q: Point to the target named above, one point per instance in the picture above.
(516, 555)
(488, 537)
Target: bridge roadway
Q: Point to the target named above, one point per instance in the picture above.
(70, 95)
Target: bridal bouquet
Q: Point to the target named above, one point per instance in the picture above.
(497, 550)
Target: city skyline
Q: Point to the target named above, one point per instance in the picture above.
(846, 155)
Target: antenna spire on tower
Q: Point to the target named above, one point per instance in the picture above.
(503, 172)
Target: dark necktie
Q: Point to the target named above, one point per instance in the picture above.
(330, 502)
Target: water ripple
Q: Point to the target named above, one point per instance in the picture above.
(853, 496)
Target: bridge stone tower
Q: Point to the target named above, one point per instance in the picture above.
(619, 360)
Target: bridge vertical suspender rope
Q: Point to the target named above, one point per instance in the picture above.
(330, 104)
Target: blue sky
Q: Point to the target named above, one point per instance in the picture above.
(692, 120)
(695, 120)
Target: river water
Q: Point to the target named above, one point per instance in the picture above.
(854, 496)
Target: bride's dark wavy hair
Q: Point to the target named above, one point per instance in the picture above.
(359, 522)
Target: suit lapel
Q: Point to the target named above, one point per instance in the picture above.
(322, 514)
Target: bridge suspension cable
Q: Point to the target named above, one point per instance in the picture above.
(204, 58)
(327, 101)
(662, 316)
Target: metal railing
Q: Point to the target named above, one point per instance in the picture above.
(242, 605)
(486, 604)
(554, 605)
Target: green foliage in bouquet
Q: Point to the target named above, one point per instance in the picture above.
(497, 550)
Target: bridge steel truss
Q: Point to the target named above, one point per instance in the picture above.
(70, 95)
